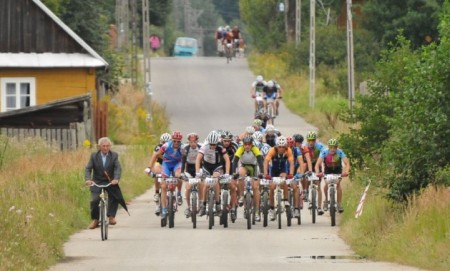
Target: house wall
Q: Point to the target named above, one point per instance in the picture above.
(54, 84)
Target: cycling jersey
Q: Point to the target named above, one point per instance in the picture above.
(248, 157)
(231, 149)
(271, 93)
(171, 159)
(156, 149)
(259, 87)
(279, 162)
(333, 162)
(212, 157)
(189, 158)
(296, 152)
(263, 147)
(315, 150)
(270, 139)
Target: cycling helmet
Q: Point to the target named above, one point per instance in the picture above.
(194, 136)
(257, 136)
(333, 142)
(298, 138)
(290, 141)
(250, 130)
(259, 78)
(270, 84)
(227, 135)
(177, 135)
(257, 122)
(247, 139)
(227, 28)
(270, 128)
(164, 137)
(220, 29)
(281, 141)
(213, 138)
(311, 135)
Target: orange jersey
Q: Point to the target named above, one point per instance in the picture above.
(274, 155)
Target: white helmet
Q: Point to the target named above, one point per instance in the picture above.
(270, 84)
(165, 137)
(270, 128)
(227, 28)
(259, 78)
(250, 130)
(257, 136)
(213, 138)
(220, 29)
(281, 141)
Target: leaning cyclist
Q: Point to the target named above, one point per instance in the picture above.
(279, 162)
(332, 159)
(210, 159)
(171, 166)
(249, 157)
(315, 148)
(190, 152)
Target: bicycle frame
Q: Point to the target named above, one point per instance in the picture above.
(270, 102)
(313, 196)
(194, 200)
(210, 182)
(264, 187)
(249, 210)
(225, 199)
(103, 210)
(172, 205)
(332, 180)
(278, 181)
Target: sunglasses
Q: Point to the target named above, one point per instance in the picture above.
(212, 145)
(176, 141)
(248, 144)
(226, 140)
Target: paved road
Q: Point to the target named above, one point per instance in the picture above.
(203, 94)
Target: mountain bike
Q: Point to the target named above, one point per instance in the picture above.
(249, 210)
(292, 202)
(225, 199)
(210, 183)
(265, 205)
(332, 180)
(103, 209)
(313, 195)
(271, 110)
(194, 200)
(229, 51)
(278, 181)
(172, 205)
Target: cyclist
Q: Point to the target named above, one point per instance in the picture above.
(249, 157)
(332, 159)
(270, 135)
(249, 131)
(218, 36)
(257, 124)
(263, 116)
(307, 165)
(271, 96)
(190, 152)
(156, 169)
(279, 97)
(257, 141)
(298, 159)
(210, 159)
(279, 162)
(257, 90)
(315, 148)
(228, 143)
(228, 39)
(171, 166)
(236, 37)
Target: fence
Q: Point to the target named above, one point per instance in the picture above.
(64, 139)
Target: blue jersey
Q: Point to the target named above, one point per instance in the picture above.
(170, 154)
(315, 150)
(333, 162)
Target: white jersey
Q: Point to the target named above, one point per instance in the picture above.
(259, 87)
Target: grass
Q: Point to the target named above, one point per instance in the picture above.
(417, 234)
(43, 199)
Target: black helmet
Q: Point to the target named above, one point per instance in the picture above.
(247, 139)
(298, 138)
(227, 135)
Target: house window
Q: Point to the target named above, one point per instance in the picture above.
(17, 93)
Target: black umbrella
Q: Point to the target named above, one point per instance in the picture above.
(115, 192)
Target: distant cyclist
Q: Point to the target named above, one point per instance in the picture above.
(190, 152)
(271, 96)
(332, 158)
(257, 92)
(270, 135)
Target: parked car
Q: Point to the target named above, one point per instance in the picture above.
(185, 46)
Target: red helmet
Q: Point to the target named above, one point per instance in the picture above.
(290, 142)
(177, 135)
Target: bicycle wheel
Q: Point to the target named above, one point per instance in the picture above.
(270, 112)
(224, 216)
(265, 208)
(211, 209)
(313, 205)
(289, 208)
(279, 209)
(332, 207)
(194, 209)
(300, 207)
(103, 220)
(170, 210)
(248, 209)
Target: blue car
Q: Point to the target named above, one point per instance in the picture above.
(185, 47)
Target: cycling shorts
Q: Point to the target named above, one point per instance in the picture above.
(210, 169)
(169, 168)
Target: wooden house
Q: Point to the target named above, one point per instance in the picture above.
(42, 61)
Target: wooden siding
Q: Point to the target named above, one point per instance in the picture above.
(55, 84)
(24, 27)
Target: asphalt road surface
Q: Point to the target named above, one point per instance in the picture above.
(202, 94)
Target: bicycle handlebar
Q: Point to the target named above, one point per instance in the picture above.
(100, 185)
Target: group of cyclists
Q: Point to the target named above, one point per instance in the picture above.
(257, 152)
(231, 39)
(266, 97)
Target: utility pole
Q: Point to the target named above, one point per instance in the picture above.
(122, 19)
(134, 43)
(312, 54)
(146, 56)
(298, 22)
(350, 57)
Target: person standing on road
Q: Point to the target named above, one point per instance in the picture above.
(103, 168)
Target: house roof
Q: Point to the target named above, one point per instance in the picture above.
(47, 59)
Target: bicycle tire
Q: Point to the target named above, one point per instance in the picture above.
(265, 208)
(224, 216)
(289, 209)
(248, 209)
(104, 223)
(194, 209)
(279, 209)
(211, 209)
(170, 210)
(300, 207)
(313, 205)
(332, 207)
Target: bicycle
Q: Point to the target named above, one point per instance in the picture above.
(278, 181)
(194, 199)
(271, 110)
(210, 182)
(265, 205)
(228, 51)
(172, 205)
(332, 180)
(292, 203)
(103, 208)
(225, 199)
(313, 196)
(249, 210)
